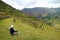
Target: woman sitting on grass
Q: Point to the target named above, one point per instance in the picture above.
(12, 31)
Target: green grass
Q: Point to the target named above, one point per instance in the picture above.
(26, 31)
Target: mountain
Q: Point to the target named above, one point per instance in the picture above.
(36, 11)
(40, 11)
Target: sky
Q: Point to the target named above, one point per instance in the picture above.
(20, 4)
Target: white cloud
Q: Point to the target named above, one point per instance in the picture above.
(20, 4)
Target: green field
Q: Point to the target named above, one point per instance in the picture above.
(26, 31)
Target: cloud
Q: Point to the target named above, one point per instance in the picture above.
(55, 1)
(20, 4)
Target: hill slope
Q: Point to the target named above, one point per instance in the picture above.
(26, 31)
(7, 11)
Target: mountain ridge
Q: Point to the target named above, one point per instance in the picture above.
(39, 11)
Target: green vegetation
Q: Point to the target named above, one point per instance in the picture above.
(8, 10)
(26, 31)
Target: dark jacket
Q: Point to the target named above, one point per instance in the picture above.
(12, 31)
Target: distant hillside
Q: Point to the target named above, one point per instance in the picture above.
(40, 11)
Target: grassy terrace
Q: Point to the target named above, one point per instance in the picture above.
(26, 31)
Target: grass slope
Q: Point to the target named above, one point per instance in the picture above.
(7, 11)
(26, 31)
